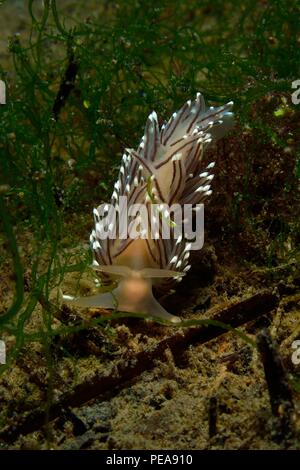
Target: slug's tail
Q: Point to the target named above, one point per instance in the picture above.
(172, 153)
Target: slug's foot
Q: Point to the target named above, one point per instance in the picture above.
(149, 307)
(133, 294)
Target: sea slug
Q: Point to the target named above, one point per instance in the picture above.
(166, 171)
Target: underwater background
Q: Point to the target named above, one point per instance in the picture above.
(81, 78)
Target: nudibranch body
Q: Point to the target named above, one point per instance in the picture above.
(165, 171)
